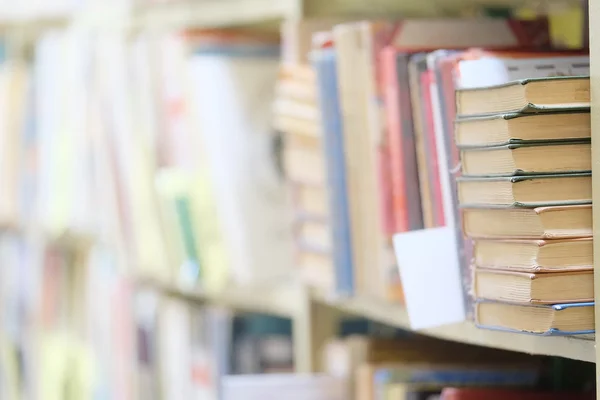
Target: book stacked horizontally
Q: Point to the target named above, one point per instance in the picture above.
(297, 116)
(526, 199)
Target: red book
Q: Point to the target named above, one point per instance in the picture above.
(432, 150)
(501, 394)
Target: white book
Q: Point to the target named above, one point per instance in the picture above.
(284, 386)
(489, 71)
(133, 161)
(232, 98)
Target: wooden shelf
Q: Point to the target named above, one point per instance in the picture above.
(466, 332)
(281, 300)
(287, 300)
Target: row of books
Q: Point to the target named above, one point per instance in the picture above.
(74, 326)
(67, 322)
(380, 156)
(167, 156)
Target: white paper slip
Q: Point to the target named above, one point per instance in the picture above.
(431, 278)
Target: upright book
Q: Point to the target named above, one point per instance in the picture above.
(324, 61)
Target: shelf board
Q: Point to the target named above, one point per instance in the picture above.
(279, 300)
(213, 13)
(466, 332)
(286, 300)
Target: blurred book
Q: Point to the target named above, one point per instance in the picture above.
(231, 97)
(479, 393)
(293, 387)
(193, 345)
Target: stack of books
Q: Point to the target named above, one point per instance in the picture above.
(526, 199)
(297, 117)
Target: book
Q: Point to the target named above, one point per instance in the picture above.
(526, 95)
(502, 129)
(299, 90)
(437, 376)
(512, 394)
(15, 81)
(305, 165)
(528, 191)
(131, 168)
(292, 108)
(284, 123)
(425, 142)
(195, 237)
(557, 319)
(404, 175)
(296, 38)
(555, 222)
(344, 355)
(324, 61)
(232, 112)
(482, 68)
(521, 158)
(284, 386)
(541, 288)
(311, 200)
(193, 345)
(316, 268)
(534, 255)
(397, 391)
(373, 378)
(312, 233)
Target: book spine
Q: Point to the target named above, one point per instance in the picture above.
(433, 377)
(432, 156)
(447, 96)
(333, 148)
(401, 142)
(423, 173)
(386, 84)
(394, 139)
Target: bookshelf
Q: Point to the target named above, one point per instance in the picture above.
(314, 314)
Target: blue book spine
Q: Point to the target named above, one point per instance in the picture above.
(432, 377)
(324, 62)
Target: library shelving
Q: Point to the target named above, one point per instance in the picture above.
(314, 313)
